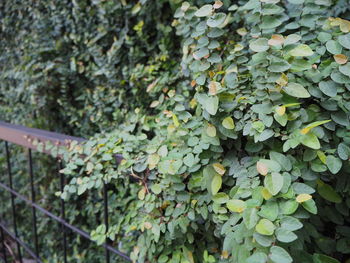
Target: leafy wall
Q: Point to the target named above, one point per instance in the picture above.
(232, 118)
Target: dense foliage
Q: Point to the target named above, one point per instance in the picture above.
(234, 132)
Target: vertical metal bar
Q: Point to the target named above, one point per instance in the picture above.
(63, 213)
(3, 244)
(105, 202)
(35, 233)
(8, 157)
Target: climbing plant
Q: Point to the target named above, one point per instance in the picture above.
(236, 144)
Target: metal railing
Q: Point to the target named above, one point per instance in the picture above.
(24, 136)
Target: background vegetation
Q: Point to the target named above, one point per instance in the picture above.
(232, 118)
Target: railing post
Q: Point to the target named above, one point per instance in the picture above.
(63, 212)
(35, 233)
(3, 244)
(105, 204)
(8, 157)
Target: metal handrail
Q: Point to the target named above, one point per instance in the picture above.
(25, 136)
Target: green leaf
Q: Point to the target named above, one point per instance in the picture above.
(301, 50)
(259, 45)
(310, 206)
(216, 20)
(310, 140)
(279, 66)
(289, 207)
(344, 40)
(228, 123)
(296, 90)
(285, 236)
(345, 69)
(343, 151)
(334, 164)
(290, 223)
(257, 257)
(280, 255)
(274, 183)
(209, 103)
(269, 210)
(216, 184)
(319, 258)
(329, 88)
(220, 198)
(265, 227)
(189, 160)
(156, 188)
(250, 217)
(236, 205)
(270, 22)
(272, 165)
(328, 193)
(282, 160)
(333, 47)
(205, 10)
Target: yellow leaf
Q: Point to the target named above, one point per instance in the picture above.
(322, 156)
(344, 26)
(242, 31)
(276, 40)
(211, 130)
(340, 59)
(303, 198)
(217, 4)
(224, 254)
(175, 121)
(219, 168)
(142, 193)
(262, 168)
(282, 80)
(312, 125)
(266, 194)
(213, 87)
(281, 110)
(147, 225)
(228, 123)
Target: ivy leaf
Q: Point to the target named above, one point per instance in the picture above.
(274, 183)
(334, 164)
(257, 257)
(280, 255)
(328, 193)
(228, 123)
(236, 205)
(285, 236)
(345, 69)
(310, 206)
(310, 140)
(209, 103)
(216, 20)
(279, 66)
(216, 184)
(265, 227)
(318, 258)
(259, 45)
(205, 10)
(219, 168)
(296, 90)
(301, 50)
(290, 223)
(301, 198)
(156, 188)
(344, 40)
(250, 217)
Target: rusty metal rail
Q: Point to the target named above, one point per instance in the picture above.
(24, 137)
